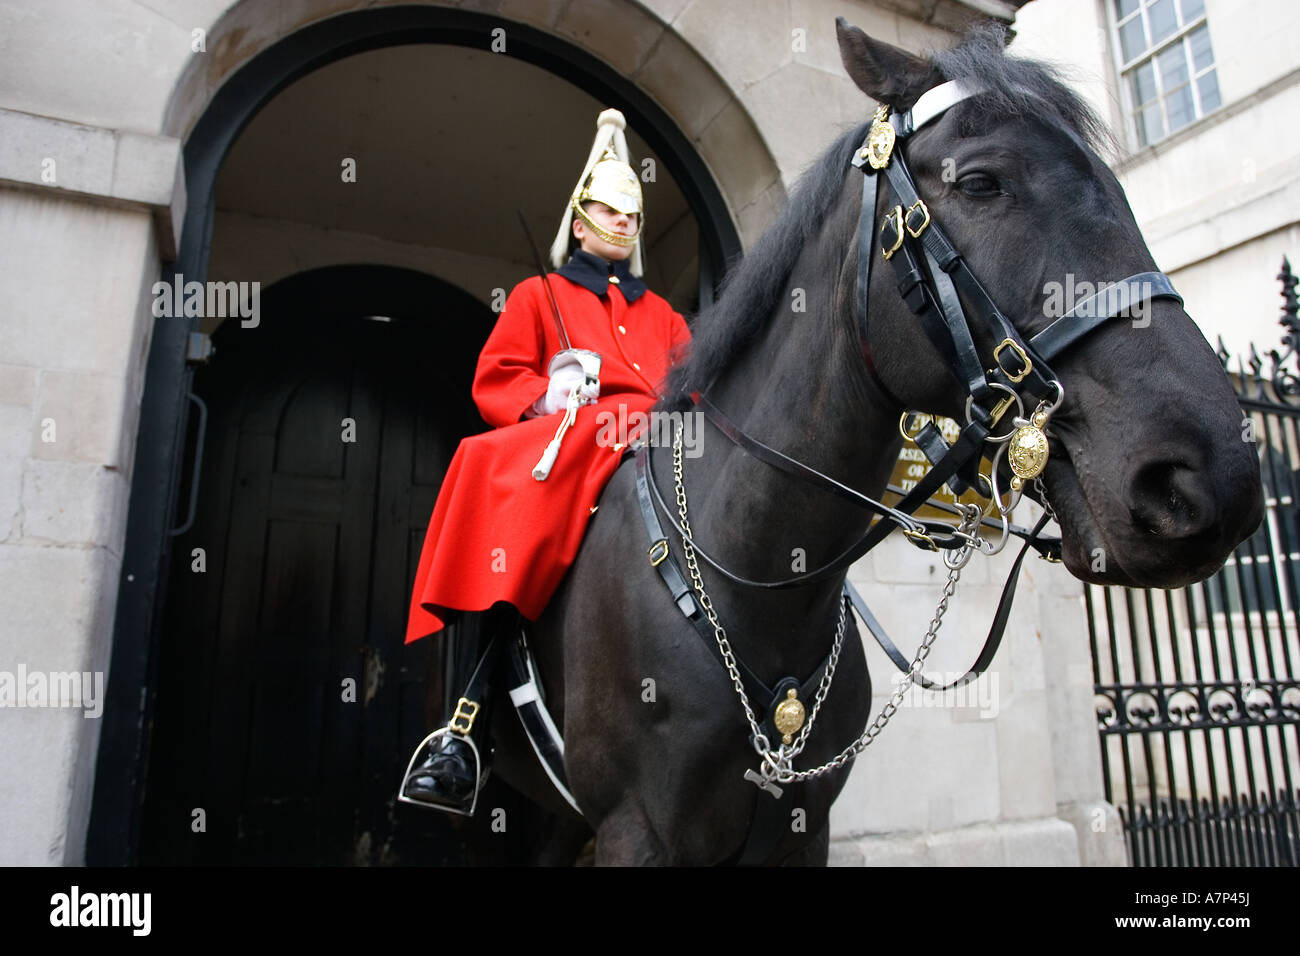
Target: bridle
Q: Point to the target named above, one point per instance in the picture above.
(931, 273)
(933, 279)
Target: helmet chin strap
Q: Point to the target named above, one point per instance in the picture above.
(613, 238)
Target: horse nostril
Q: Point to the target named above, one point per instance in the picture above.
(1167, 501)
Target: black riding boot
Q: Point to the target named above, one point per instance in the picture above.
(451, 764)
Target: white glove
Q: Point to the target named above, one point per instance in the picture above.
(563, 380)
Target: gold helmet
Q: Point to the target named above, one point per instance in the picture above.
(606, 178)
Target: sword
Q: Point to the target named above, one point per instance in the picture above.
(546, 280)
(590, 362)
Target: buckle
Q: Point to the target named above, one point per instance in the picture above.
(658, 552)
(466, 711)
(920, 539)
(925, 211)
(918, 419)
(1026, 366)
(893, 218)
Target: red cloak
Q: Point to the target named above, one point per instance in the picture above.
(496, 533)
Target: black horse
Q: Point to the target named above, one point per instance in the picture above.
(1147, 457)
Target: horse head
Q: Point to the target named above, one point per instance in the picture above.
(1151, 467)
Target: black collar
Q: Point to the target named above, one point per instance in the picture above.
(592, 273)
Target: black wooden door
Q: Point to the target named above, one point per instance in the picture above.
(287, 703)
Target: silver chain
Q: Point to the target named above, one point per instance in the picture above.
(891, 706)
(1042, 498)
(775, 763)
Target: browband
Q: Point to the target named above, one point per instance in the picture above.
(935, 102)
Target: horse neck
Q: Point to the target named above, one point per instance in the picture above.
(797, 389)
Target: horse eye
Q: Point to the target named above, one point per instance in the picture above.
(979, 185)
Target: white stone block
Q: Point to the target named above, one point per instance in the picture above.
(60, 156)
(619, 33)
(70, 274)
(17, 385)
(1045, 841)
(146, 168)
(666, 10)
(56, 614)
(1025, 778)
(743, 170)
(86, 415)
(38, 750)
(817, 17)
(756, 218)
(15, 439)
(743, 40)
(796, 137)
(68, 502)
(891, 788)
(1099, 832)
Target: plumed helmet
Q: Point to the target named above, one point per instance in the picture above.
(607, 178)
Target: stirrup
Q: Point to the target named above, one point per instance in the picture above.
(426, 749)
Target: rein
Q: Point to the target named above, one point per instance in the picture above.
(933, 279)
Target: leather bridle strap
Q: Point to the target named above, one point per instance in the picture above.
(991, 643)
(661, 558)
(1109, 303)
(793, 466)
(970, 440)
(950, 275)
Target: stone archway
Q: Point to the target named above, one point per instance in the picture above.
(213, 103)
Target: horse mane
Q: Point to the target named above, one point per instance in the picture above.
(1018, 87)
(754, 286)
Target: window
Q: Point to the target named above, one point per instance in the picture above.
(1166, 65)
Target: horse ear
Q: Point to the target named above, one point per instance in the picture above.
(884, 72)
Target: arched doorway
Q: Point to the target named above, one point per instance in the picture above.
(287, 703)
(147, 621)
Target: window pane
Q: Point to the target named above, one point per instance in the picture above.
(1124, 7)
(1192, 9)
(1173, 67)
(1163, 20)
(1144, 84)
(1132, 40)
(1150, 124)
(1202, 55)
(1209, 89)
(1180, 108)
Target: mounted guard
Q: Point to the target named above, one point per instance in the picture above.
(586, 345)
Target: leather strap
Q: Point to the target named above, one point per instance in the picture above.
(1107, 304)
(991, 643)
(792, 466)
(970, 440)
(659, 553)
(936, 101)
(760, 693)
(539, 726)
